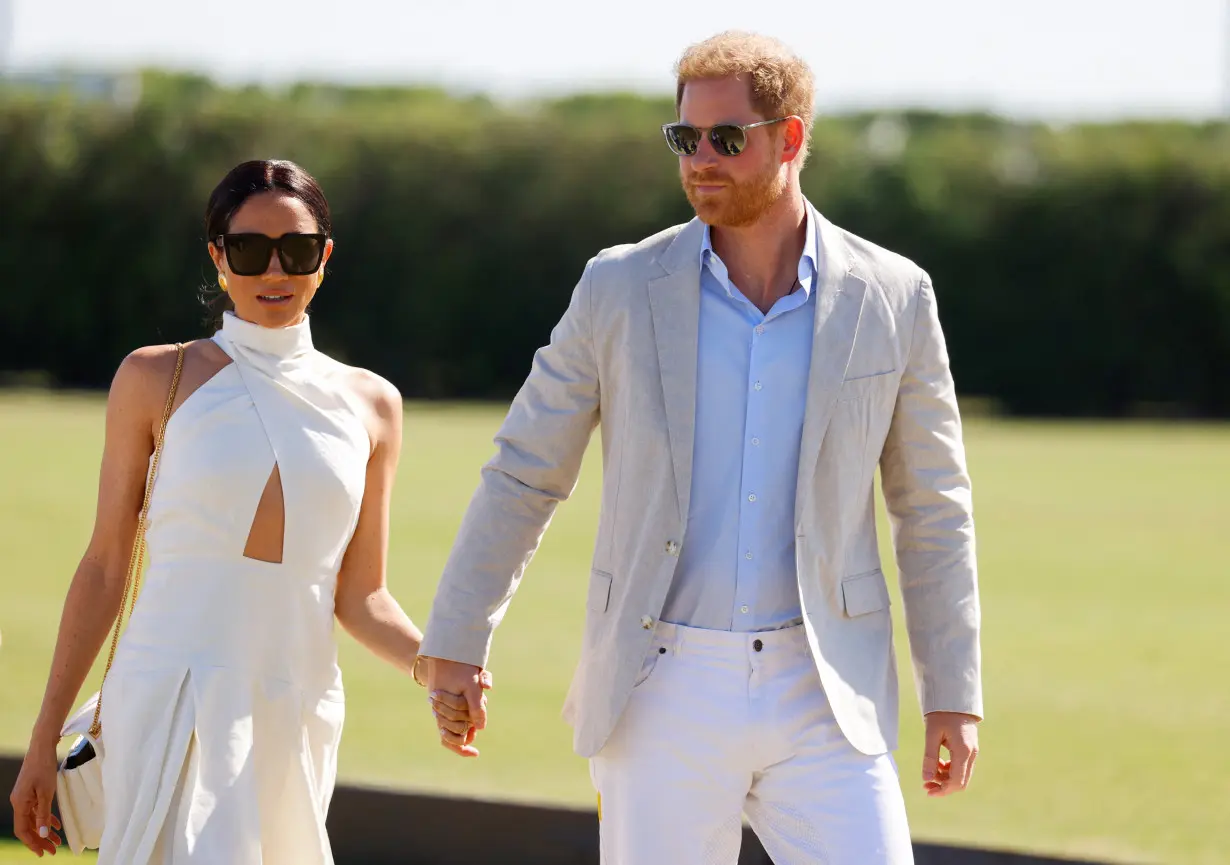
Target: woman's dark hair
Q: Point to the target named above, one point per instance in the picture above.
(241, 183)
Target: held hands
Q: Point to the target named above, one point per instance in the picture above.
(959, 734)
(455, 691)
(33, 823)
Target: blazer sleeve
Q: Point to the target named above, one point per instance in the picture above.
(928, 496)
(539, 448)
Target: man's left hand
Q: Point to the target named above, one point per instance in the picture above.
(959, 734)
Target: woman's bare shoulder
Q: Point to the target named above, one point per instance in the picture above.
(145, 373)
(373, 391)
(378, 392)
(380, 399)
(148, 360)
(140, 370)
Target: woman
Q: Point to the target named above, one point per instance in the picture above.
(269, 516)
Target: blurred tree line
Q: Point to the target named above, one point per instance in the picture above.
(1081, 270)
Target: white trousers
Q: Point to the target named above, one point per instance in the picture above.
(723, 724)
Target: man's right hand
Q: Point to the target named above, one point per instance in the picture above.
(458, 702)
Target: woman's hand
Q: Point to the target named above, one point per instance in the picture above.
(33, 823)
(458, 703)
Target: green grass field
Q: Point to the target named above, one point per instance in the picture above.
(1103, 552)
(15, 854)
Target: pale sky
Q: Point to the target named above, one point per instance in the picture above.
(1060, 59)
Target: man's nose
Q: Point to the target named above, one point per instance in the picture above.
(706, 155)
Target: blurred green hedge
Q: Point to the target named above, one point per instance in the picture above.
(1082, 270)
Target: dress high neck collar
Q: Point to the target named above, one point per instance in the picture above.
(280, 342)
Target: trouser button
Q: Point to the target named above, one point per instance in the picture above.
(757, 645)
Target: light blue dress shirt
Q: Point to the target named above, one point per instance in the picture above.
(736, 570)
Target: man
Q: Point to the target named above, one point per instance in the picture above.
(749, 371)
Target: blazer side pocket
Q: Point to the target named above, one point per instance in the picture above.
(863, 385)
(864, 593)
(599, 591)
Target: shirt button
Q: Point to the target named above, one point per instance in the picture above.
(756, 442)
(646, 622)
(752, 497)
(759, 329)
(672, 548)
(748, 554)
(743, 609)
(756, 386)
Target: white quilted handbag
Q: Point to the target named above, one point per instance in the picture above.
(79, 789)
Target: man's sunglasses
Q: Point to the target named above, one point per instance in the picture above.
(249, 254)
(728, 139)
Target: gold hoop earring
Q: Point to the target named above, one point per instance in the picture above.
(222, 281)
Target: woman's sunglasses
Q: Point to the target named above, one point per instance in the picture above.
(728, 139)
(249, 254)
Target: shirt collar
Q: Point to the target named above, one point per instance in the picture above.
(809, 261)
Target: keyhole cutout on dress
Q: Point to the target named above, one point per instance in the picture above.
(268, 532)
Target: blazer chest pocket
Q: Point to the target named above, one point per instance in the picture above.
(599, 591)
(864, 593)
(864, 386)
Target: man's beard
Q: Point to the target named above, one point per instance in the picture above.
(737, 205)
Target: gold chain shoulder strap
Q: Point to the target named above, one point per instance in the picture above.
(132, 582)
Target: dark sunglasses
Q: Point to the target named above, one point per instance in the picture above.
(249, 254)
(728, 139)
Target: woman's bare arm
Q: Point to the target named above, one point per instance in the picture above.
(364, 605)
(136, 396)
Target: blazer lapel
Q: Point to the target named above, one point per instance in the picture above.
(839, 304)
(675, 301)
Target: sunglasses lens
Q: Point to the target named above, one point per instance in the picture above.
(248, 254)
(682, 139)
(728, 140)
(301, 253)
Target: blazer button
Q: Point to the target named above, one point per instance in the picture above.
(646, 622)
